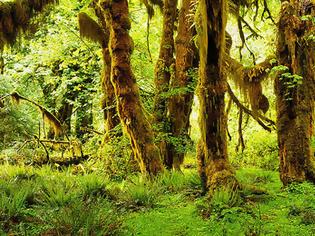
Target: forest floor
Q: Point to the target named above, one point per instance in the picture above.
(44, 201)
(270, 210)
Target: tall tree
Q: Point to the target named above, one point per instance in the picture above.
(295, 90)
(99, 32)
(214, 166)
(180, 104)
(126, 90)
(164, 69)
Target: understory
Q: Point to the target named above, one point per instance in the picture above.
(79, 200)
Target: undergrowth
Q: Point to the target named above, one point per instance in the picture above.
(47, 201)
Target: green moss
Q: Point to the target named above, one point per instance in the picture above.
(15, 17)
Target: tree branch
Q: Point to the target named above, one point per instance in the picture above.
(256, 116)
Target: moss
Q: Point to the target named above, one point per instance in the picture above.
(47, 116)
(130, 111)
(15, 17)
(91, 30)
(248, 80)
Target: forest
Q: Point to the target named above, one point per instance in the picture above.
(157, 117)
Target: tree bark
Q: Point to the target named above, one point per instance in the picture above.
(126, 90)
(214, 166)
(111, 118)
(163, 72)
(180, 104)
(295, 95)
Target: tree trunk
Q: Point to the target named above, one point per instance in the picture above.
(126, 90)
(111, 119)
(108, 102)
(295, 92)
(180, 104)
(214, 167)
(163, 72)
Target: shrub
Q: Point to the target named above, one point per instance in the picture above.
(222, 201)
(57, 192)
(79, 218)
(141, 193)
(261, 152)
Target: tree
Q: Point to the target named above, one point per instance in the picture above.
(214, 167)
(126, 90)
(295, 90)
(99, 32)
(182, 84)
(163, 72)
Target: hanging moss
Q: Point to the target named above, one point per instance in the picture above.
(91, 30)
(15, 17)
(159, 3)
(249, 79)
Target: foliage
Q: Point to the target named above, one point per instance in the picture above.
(13, 201)
(174, 182)
(118, 158)
(141, 193)
(261, 152)
(221, 202)
(81, 218)
(15, 123)
(48, 202)
(105, 195)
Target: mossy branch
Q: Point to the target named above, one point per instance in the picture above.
(256, 116)
(248, 80)
(48, 116)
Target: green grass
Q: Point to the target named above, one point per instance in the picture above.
(174, 217)
(263, 210)
(39, 201)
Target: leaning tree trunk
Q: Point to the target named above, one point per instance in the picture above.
(295, 91)
(214, 166)
(180, 104)
(126, 90)
(163, 72)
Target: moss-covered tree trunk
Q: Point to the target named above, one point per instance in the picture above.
(180, 104)
(214, 166)
(108, 101)
(163, 72)
(109, 106)
(126, 90)
(295, 91)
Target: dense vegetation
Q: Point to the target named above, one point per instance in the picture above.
(157, 117)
